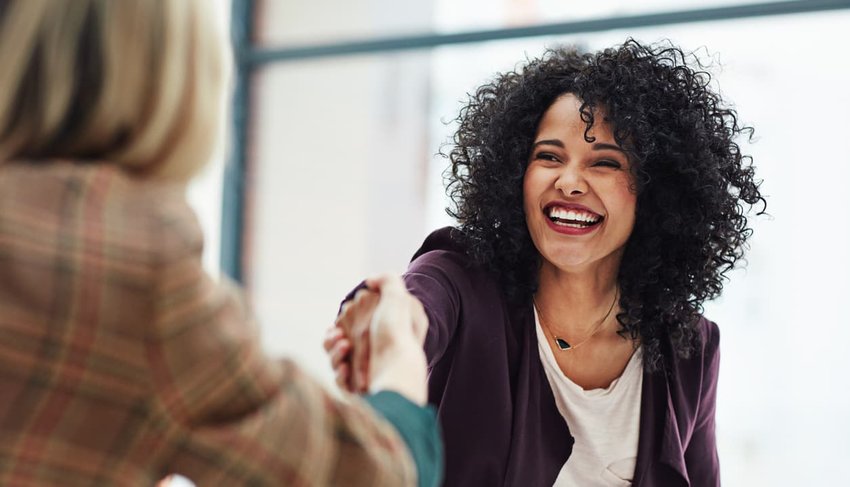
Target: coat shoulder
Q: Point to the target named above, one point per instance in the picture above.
(709, 336)
(443, 257)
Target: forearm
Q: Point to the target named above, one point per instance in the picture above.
(230, 416)
(418, 427)
(299, 435)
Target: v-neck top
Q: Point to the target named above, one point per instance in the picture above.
(605, 422)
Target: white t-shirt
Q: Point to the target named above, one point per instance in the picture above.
(604, 422)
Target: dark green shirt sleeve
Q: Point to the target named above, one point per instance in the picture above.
(419, 428)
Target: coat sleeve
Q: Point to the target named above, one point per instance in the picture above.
(226, 414)
(436, 278)
(701, 453)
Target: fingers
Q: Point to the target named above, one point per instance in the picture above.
(379, 318)
(355, 310)
(340, 352)
(333, 335)
(343, 377)
(338, 348)
(360, 362)
(354, 321)
(396, 355)
(387, 284)
(408, 308)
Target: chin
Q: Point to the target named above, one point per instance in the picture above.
(567, 262)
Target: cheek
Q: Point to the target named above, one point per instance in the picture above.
(628, 201)
(622, 200)
(625, 192)
(533, 185)
(530, 193)
(627, 207)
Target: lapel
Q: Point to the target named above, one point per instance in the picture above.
(660, 439)
(541, 440)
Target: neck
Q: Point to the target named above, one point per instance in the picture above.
(574, 302)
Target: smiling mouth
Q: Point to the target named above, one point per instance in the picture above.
(572, 217)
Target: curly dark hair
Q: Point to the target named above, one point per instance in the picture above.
(691, 179)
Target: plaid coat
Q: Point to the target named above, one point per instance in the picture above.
(122, 361)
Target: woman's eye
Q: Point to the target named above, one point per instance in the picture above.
(608, 163)
(547, 156)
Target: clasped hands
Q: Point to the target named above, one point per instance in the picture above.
(376, 341)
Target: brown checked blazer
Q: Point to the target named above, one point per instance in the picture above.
(121, 361)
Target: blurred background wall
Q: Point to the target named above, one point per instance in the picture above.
(341, 180)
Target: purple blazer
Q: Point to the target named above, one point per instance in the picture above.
(498, 414)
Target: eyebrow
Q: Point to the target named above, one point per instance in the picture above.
(604, 146)
(554, 142)
(596, 146)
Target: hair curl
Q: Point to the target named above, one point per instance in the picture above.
(691, 179)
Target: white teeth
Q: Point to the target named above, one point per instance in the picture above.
(572, 215)
(571, 225)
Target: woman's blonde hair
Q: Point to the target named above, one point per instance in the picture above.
(136, 83)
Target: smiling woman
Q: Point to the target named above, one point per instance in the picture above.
(580, 205)
(600, 199)
(578, 184)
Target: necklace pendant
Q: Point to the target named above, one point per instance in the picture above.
(562, 344)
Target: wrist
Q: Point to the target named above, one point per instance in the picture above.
(401, 368)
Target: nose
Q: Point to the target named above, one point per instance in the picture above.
(571, 181)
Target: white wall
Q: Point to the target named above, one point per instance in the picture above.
(340, 147)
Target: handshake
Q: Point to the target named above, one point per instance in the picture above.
(376, 341)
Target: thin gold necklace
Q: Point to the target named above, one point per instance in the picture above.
(565, 345)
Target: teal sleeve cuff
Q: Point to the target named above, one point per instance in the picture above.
(419, 428)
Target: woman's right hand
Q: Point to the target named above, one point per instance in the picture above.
(338, 347)
(377, 341)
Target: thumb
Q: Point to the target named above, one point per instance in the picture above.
(387, 284)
